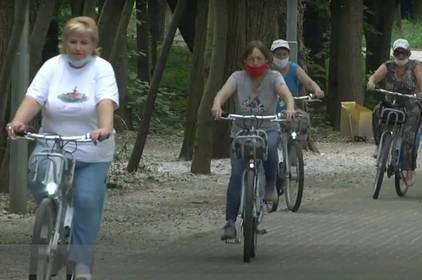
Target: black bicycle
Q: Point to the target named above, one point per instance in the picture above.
(250, 145)
(391, 120)
(51, 236)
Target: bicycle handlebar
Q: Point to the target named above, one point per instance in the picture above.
(280, 117)
(411, 96)
(232, 117)
(308, 98)
(36, 136)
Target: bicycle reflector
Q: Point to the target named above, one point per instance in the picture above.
(51, 188)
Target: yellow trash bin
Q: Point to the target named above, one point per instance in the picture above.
(355, 120)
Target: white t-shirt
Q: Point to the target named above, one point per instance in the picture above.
(69, 97)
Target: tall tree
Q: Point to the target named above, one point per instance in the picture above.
(156, 17)
(39, 32)
(196, 87)
(142, 40)
(155, 83)
(345, 76)
(187, 25)
(201, 161)
(379, 19)
(84, 7)
(6, 22)
(113, 22)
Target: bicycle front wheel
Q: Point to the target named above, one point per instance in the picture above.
(381, 164)
(41, 261)
(294, 187)
(401, 188)
(249, 223)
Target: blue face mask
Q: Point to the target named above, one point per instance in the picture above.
(75, 63)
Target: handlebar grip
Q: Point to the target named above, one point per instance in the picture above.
(224, 114)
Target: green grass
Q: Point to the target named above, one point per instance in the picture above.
(411, 31)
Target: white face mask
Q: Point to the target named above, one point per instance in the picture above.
(401, 62)
(78, 63)
(280, 63)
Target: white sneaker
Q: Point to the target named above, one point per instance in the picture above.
(82, 272)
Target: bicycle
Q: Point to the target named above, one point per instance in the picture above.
(392, 118)
(290, 175)
(52, 231)
(250, 145)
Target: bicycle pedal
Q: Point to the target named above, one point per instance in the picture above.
(233, 241)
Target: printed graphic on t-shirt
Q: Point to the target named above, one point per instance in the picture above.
(252, 106)
(73, 96)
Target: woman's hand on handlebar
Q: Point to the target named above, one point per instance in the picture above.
(15, 127)
(319, 93)
(100, 134)
(290, 115)
(216, 112)
(370, 85)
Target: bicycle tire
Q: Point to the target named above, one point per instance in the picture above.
(40, 264)
(249, 232)
(381, 164)
(401, 189)
(294, 186)
(273, 205)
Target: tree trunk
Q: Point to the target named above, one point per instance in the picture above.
(108, 25)
(6, 23)
(89, 9)
(114, 42)
(5, 73)
(76, 7)
(187, 26)
(142, 40)
(38, 35)
(379, 17)
(345, 77)
(155, 83)
(154, 12)
(196, 81)
(203, 146)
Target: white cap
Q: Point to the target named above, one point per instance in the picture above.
(279, 44)
(401, 43)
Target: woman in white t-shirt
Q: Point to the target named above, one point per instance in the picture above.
(76, 92)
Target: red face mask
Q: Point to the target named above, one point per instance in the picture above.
(255, 71)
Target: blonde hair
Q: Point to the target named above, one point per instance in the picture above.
(81, 25)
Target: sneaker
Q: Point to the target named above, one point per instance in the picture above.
(229, 231)
(409, 178)
(82, 272)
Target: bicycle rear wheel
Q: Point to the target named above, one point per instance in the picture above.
(249, 222)
(294, 186)
(41, 261)
(381, 164)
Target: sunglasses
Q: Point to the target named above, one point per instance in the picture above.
(399, 52)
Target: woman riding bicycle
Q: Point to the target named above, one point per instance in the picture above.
(401, 75)
(77, 94)
(255, 90)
